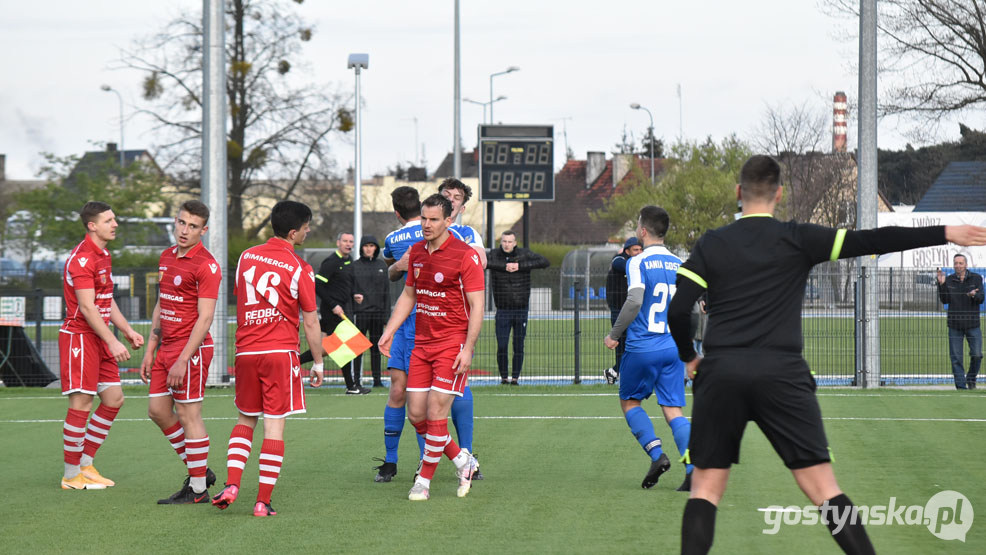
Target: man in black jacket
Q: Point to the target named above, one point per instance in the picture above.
(372, 284)
(511, 267)
(963, 293)
(616, 295)
(334, 287)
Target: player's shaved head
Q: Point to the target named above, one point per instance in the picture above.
(760, 178)
(406, 202)
(439, 200)
(655, 220)
(287, 216)
(91, 210)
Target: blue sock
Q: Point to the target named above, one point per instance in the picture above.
(462, 418)
(681, 429)
(643, 430)
(421, 446)
(393, 425)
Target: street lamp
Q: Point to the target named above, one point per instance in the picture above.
(485, 104)
(510, 69)
(108, 88)
(358, 62)
(650, 140)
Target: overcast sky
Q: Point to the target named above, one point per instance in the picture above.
(580, 60)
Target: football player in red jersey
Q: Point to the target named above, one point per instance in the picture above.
(188, 281)
(89, 351)
(273, 287)
(445, 282)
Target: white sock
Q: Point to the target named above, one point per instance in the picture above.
(71, 470)
(424, 481)
(86, 461)
(197, 483)
(461, 459)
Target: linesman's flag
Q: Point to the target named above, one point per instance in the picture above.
(345, 343)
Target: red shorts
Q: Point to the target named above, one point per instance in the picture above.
(196, 373)
(269, 384)
(85, 363)
(431, 369)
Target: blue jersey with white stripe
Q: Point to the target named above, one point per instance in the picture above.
(469, 235)
(653, 270)
(399, 241)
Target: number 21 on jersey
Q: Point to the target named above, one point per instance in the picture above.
(662, 296)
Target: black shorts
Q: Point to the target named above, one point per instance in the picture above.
(774, 389)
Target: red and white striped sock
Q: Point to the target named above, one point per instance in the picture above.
(197, 451)
(437, 441)
(271, 457)
(99, 427)
(73, 434)
(176, 435)
(240, 442)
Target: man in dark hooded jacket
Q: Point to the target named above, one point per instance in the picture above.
(372, 310)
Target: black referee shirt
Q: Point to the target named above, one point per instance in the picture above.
(755, 270)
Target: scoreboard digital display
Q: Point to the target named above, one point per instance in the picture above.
(516, 162)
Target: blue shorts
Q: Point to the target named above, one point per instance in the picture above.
(401, 347)
(641, 373)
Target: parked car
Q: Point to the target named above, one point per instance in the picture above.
(48, 266)
(11, 269)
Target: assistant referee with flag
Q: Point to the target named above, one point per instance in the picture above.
(334, 286)
(755, 271)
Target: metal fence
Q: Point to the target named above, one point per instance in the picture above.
(568, 318)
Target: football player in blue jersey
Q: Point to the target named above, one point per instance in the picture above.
(407, 207)
(651, 362)
(462, 412)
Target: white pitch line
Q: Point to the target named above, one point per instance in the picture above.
(377, 418)
(560, 395)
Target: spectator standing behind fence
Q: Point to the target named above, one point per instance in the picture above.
(511, 280)
(963, 293)
(616, 295)
(372, 289)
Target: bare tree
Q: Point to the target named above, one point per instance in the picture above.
(932, 51)
(795, 136)
(278, 132)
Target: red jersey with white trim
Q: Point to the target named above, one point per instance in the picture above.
(183, 281)
(88, 267)
(441, 280)
(273, 286)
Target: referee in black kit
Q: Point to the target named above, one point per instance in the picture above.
(755, 271)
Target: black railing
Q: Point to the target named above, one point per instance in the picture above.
(568, 318)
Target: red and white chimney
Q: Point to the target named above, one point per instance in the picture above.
(839, 122)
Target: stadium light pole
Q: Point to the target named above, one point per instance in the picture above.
(119, 97)
(358, 62)
(510, 69)
(214, 185)
(484, 104)
(636, 106)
